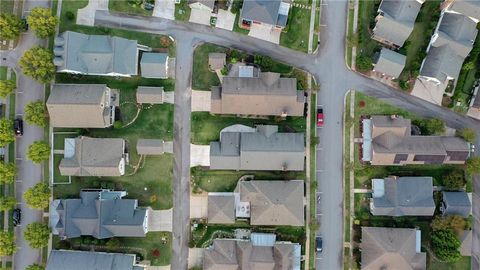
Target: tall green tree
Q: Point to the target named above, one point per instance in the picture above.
(37, 234)
(446, 245)
(42, 22)
(6, 88)
(468, 134)
(7, 203)
(38, 196)
(6, 132)
(35, 267)
(7, 243)
(454, 180)
(432, 126)
(7, 172)
(10, 26)
(37, 63)
(36, 113)
(473, 165)
(38, 152)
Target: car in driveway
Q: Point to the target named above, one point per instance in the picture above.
(318, 244)
(16, 216)
(18, 127)
(320, 117)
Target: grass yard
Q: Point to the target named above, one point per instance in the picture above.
(3, 72)
(207, 127)
(463, 263)
(182, 11)
(203, 78)
(367, 11)
(296, 33)
(68, 15)
(126, 6)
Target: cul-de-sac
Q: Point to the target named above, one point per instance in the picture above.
(239, 134)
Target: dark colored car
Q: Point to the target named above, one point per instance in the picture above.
(16, 216)
(320, 117)
(18, 127)
(319, 244)
(24, 24)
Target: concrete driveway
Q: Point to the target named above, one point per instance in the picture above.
(86, 15)
(225, 19)
(428, 91)
(201, 101)
(200, 16)
(159, 220)
(198, 206)
(195, 257)
(266, 33)
(164, 9)
(199, 155)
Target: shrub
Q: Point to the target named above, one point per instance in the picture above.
(467, 134)
(363, 63)
(454, 180)
(117, 124)
(70, 15)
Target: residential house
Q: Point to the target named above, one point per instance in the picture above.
(263, 202)
(395, 21)
(81, 260)
(262, 148)
(269, 13)
(85, 156)
(100, 213)
(150, 95)
(456, 203)
(262, 251)
(389, 63)
(402, 196)
(470, 8)
(387, 140)
(82, 105)
(154, 65)
(392, 248)
(265, 94)
(217, 60)
(95, 54)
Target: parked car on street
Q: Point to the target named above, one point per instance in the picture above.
(320, 117)
(18, 127)
(17, 216)
(319, 244)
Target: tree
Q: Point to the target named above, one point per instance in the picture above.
(37, 234)
(7, 203)
(7, 172)
(473, 165)
(37, 197)
(6, 132)
(454, 180)
(468, 134)
(430, 126)
(445, 245)
(35, 267)
(265, 62)
(363, 63)
(7, 243)
(38, 152)
(6, 88)
(35, 113)
(468, 66)
(10, 26)
(37, 63)
(454, 223)
(42, 22)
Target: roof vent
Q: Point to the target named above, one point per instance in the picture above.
(59, 41)
(58, 51)
(58, 61)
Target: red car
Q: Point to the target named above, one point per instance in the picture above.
(320, 117)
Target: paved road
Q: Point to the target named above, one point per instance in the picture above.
(28, 173)
(328, 67)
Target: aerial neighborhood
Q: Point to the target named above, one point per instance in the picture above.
(240, 134)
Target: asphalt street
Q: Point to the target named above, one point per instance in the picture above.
(28, 173)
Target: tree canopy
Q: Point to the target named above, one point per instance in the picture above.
(37, 63)
(473, 165)
(42, 22)
(7, 203)
(445, 245)
(6, 88)
(10, 26)
(37, 234)
(6, 132)
(454, 223)
(7, 172)
(467, 134)
(7, 243)
(37, 197)
(38, 152)
(35, 113)
(454, 180)
(432, 126)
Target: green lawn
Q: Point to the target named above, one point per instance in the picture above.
(203, 78)
(182, 11)
(207, 127)
(463, 263)
(296, 33)
(124, 6)
(70, 7)
(3, 73)
(367, 11)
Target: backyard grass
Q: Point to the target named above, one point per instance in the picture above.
(203, 78)
(296, 33)
(182, 11)
(207, 127)
(70, 7)
(124, 6)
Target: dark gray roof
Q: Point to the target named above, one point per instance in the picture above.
(82, 260)
(405, 196)
(265, 11)
(99, 213)
(442, 63)
(457, 31)
(154, 65)
(390, 63)
(470, 8)
(456, 203)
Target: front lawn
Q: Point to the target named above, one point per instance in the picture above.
(68, 15)
(182, 11)
(207, 127)
(130, 7)
(296, 33)
(367, 11)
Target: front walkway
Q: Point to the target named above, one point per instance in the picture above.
(164, 9)
(267, 33)
(86, 15)
(159, 220)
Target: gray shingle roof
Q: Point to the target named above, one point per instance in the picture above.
(265, 11)
(81, 105)
(81, 260)
(96, 54)
(405, 196)
(470, 8)
(154, 65)
(101, 214)
(221, 208)
(456, 203)
(457, 31)
(390, 63)
(442, 63)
